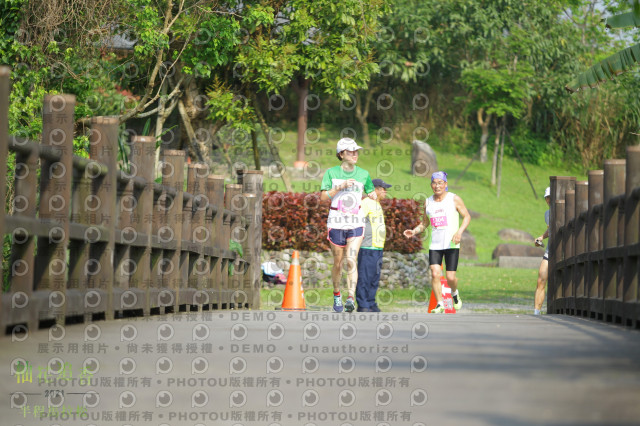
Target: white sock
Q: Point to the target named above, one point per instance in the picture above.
(536, 312)
(455, 293)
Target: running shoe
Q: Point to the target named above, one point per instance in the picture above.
(439, 309)
(337, 303)
(349, 305)
(457, 302)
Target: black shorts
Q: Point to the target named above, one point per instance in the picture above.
(450, 258)
(339, 237)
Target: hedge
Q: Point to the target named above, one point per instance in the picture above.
(294, 220)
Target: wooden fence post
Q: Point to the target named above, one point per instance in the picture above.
(251, 255)
(103, 147)
(22, 263)
(187, 243)
(594, 242)
(158, 294)
(239, 206)
(252, 182)
(580, 244)
(126, 237)
(631, 285)
(568, 286)
(83, 207)
(215, 193)
(231, 191)
(172, 169)
(142, 160)
(557, 257)
(198, 263)
(614, 185)
(559, 185)
(55, 198)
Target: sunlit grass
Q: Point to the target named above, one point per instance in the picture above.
(494, 290)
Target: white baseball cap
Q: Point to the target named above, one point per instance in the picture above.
(347, 144)
(547, 192)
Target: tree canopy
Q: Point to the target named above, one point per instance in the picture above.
(209, 75)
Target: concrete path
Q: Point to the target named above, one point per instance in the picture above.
(317, 368)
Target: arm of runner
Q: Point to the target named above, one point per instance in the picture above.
(542, 237)
(415, 231)
(466, 219)
(421, 226)
(369, 189)
(329, 194)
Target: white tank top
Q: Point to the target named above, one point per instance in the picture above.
(445, 222)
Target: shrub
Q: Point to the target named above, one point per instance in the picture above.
(299, 221)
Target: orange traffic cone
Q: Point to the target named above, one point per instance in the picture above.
(447, 299)
(293, 293)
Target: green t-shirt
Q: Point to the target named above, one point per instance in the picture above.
(345, 212)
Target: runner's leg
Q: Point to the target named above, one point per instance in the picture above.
(351, 263)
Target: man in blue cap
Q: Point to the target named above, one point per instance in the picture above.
(443, 210)
(370, 254)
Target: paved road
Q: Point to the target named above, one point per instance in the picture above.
(317, 368)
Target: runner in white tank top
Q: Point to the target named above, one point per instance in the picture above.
(445, 221)
(443, 210)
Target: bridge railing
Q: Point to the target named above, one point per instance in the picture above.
(88, 241)
(595, 243)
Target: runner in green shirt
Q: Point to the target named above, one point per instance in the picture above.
(344, 186)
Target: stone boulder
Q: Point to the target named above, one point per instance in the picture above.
(510, 234)
(468, 246)
(474, 215)
(516, 250)
(423, 159)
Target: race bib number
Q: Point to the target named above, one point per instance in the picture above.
(438, 221)
(348, 204)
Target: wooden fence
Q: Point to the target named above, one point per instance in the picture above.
(595, 243)
(92, 242)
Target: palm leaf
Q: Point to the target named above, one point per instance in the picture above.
(624, 20)
(606, 69)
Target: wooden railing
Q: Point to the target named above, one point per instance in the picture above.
(94, 242)
(595, 243)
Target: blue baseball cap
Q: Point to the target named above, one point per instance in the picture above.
(380, 183)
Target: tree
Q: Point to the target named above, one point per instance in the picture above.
(148, 56)
(497, 89)
(50, 51)
(475, 36)
(402, 48)
(178, 44)
(325, 45)
(616, 64)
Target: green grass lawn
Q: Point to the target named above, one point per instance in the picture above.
(482, 289)
(515, 208)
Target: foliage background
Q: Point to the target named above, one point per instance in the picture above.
(398, 65)
(385, 73)
(299, 221)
